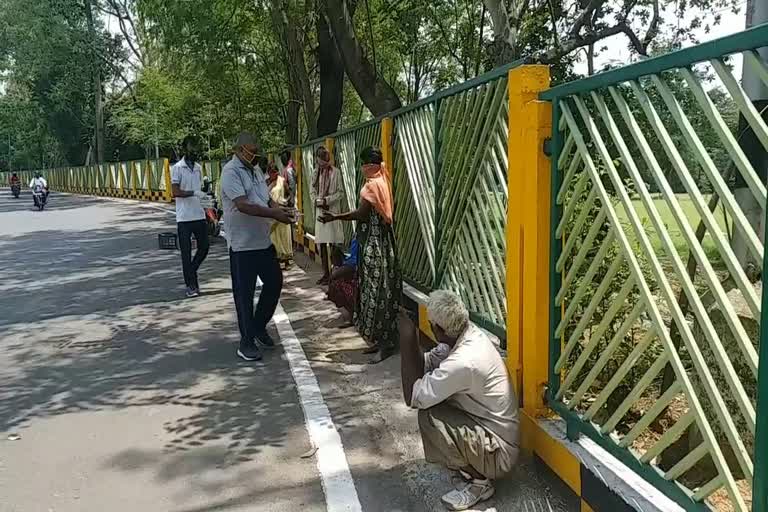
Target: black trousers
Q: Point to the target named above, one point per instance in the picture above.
(190, 265)
(245, 267)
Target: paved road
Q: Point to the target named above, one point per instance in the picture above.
(127, 397)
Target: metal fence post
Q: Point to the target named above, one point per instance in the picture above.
(167, 175)
(386, 149)
(760, 478)
(528, 216)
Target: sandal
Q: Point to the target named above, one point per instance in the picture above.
(469, 496)
(371, 350)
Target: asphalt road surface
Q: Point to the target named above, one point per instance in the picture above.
(117, 394)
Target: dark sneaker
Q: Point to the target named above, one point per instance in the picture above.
(264, 340)
(249, 353)
(192, 292)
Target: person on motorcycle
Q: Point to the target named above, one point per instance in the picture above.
(15, 184)
(39, 181)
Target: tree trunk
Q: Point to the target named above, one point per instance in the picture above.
(756, 14)
(297, 68)
(292, 114)
(373, 90)
(503, 49)
(98, 106)
(331, 78)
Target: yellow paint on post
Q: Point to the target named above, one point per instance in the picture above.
(329, 143)
(552, 451)
(585, 506)
(167, 174)
(424, 325)
(525, 83)
(527, 263)
(387, 152)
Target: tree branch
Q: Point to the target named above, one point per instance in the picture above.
(449, 44)
(653, 27)
(575, 43)
(584, 17)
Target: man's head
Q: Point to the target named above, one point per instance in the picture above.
(191, 148)
(285, 157)
(14, 175)
(38, 175)
(247, 149)
(323, 155)
(447, 315)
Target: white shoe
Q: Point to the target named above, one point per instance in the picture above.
(472, 494)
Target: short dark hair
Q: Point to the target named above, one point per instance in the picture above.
(285, 156)
(190, 140)
(371, 155)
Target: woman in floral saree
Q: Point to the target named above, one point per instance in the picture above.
(379, 281)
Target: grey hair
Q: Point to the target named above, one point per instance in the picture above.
(245, 139)
(446, 310)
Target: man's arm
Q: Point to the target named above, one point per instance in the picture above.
(176, 184)
(256, 210)
(177, 192)
(411, 357)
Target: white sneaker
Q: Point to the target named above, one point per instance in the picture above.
(472, 494)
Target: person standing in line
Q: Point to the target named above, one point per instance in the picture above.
(379, 286)
(289, 175)
(186, 186)
(281, 233)
(249, 214)
(327, 194)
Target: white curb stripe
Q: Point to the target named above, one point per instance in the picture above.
(338, 485)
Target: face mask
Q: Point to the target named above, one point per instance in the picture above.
(251, 158)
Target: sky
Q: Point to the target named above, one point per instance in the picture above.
(618, 50)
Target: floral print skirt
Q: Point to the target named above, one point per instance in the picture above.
(379, 283)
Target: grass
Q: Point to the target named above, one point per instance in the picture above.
(673, 228)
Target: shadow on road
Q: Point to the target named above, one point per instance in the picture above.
(92, 320)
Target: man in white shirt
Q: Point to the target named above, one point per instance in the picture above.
(468, 411)
(39, 182)
(186, 185)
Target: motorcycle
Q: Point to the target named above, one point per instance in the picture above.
(40, 197)
(16, 190)
(213, 213)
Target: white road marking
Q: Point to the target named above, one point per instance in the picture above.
(338, 485)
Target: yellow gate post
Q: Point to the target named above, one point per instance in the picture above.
(387, 126)
(527, 262)
(167, 174)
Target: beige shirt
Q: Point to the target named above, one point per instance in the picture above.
(330, 189)
(473, 378)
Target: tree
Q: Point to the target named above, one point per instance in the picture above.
(375, 92)
(578, 24)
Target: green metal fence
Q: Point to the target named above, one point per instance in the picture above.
(655, 329)
(449, 180)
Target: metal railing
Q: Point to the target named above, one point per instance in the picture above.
(137, 179)
(449, 180)
(636, 290)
